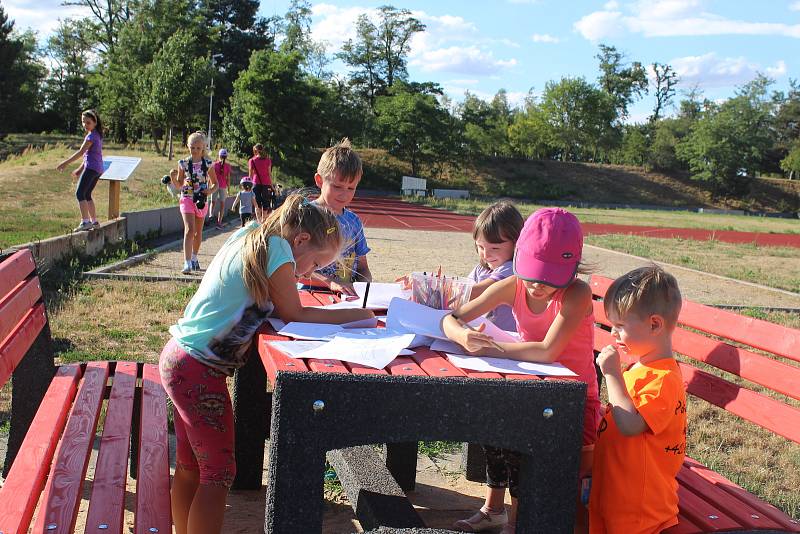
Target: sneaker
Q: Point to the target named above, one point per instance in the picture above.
(195, 265)
(96, 224)
(84, 226)
(481, 521)
(187, 267)
(218, 226)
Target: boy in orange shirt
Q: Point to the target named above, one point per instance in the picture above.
(642, 436)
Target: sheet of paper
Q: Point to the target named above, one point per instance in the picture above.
(380, 295)
(296, 348)
(279, 325)
(504, 365)
(310, 331)
(376, 352)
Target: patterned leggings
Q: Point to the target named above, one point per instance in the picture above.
(203, 416)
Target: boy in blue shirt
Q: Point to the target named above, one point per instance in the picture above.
(338, 174)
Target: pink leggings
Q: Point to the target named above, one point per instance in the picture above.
(203, 416)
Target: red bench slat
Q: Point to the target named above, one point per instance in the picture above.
(152, 482)
(16, 305)
(275, 360)
(20, 493)
(17, 344)
(763, 508)
(107, 503)
(62, 492)
(730, 505)
(14, 269)
(763, 335)
(359, 369)
(320, 365)
(684, 526)
(404, 366)
(434, 364)
(702, 514)
(760, 409)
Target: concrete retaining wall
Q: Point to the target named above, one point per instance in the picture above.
(48, 251)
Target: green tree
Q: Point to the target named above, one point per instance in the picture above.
(578, 117)
(395, 30)
(624, 83)
(413, 125)
(363, 57)
(107, 19)
(67, 86)
(666, 80)
(23, 71)
(634, 145)
(528, 133)
(727, 144)
(486, 124)
(791, 163)
(661, 154)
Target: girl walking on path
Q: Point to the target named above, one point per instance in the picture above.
(90, 170)
(222, 170)
(259, 167)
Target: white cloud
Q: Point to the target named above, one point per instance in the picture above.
(710, 71)
(611, 6)
(462, 59)
(43, 17)
(544, 38)
(668, 18)
(794, 6)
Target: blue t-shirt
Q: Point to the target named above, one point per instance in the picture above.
(246, 201)
(355, 247)
(220, 320)
(501, 316)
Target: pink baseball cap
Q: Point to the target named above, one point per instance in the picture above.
(549, 248)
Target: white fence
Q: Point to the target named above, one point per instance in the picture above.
(414, 186)
(451, 193)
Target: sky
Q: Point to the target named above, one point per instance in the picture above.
(520, 45)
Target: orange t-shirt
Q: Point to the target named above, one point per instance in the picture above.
(634, 490)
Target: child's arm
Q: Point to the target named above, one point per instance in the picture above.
(475, 341)
(334, 283)
(212, 182)
(253, 202)
(77, 172)
(235, 202)
(283, 292)
(364, 274)
(78, 154)
(628, 419)
(480, 287)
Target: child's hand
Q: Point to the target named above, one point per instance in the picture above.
(75, 173)
(608, 360)
(345, 288)
(474, 341)
(60, 167)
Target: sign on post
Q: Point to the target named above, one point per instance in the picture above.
(117, 169)
(414, 186)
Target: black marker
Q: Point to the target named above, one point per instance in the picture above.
(366, 294)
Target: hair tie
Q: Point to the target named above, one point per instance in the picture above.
(304, 202)
(330, 230)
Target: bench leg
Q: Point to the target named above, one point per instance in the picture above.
(30, 381)
(401, 460)
(251, 413)
(473, 462)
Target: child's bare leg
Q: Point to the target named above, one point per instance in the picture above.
(83, 206)
(495, 499)
(198, 233)
(208, 510)
(188, 235)
(91, 210)
(184, 487)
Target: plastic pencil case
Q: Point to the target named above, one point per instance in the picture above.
(440, 292)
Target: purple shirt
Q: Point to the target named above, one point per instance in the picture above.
(502, 315)
(93, 158)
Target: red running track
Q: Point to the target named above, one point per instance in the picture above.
(393, 213)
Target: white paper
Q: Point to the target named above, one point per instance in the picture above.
(278, 324)
(380, 295)
(504, 365)
(310, 331)
(296, 348)
(376, 352)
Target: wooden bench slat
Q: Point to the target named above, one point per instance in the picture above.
(152, 482)
(763, 508)
(17, 344)
(14, 308)
(15, 268)
(20, 492)
(107, 502)
(764, 411)
(275, 360)
(404, 366)
(763, 335)
(759, 369)
(63, 489)
(434, 364)
(702, 514)
(719, 498)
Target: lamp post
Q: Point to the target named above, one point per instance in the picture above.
(210, 107)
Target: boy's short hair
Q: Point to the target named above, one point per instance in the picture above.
(645, 291)
(340, 159)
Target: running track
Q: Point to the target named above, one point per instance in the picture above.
(392, 213)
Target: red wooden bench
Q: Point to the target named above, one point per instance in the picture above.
(708, 501)
(50, 443)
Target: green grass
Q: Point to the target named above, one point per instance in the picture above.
(667, 219)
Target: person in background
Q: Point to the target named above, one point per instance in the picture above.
(259, 168)
(222, 170)
(245, 200)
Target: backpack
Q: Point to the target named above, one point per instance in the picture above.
(190, 168)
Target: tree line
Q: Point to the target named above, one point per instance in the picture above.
(149, 67)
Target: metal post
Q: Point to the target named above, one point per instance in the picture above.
(210, 107)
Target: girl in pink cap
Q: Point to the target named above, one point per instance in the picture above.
(552, 308)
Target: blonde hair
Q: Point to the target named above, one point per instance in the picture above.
(499, 222)
(296, 215)
(197, 136)
(340, 159)
(645, 291)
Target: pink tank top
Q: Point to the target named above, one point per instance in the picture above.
(578, 355)
(262, 169)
